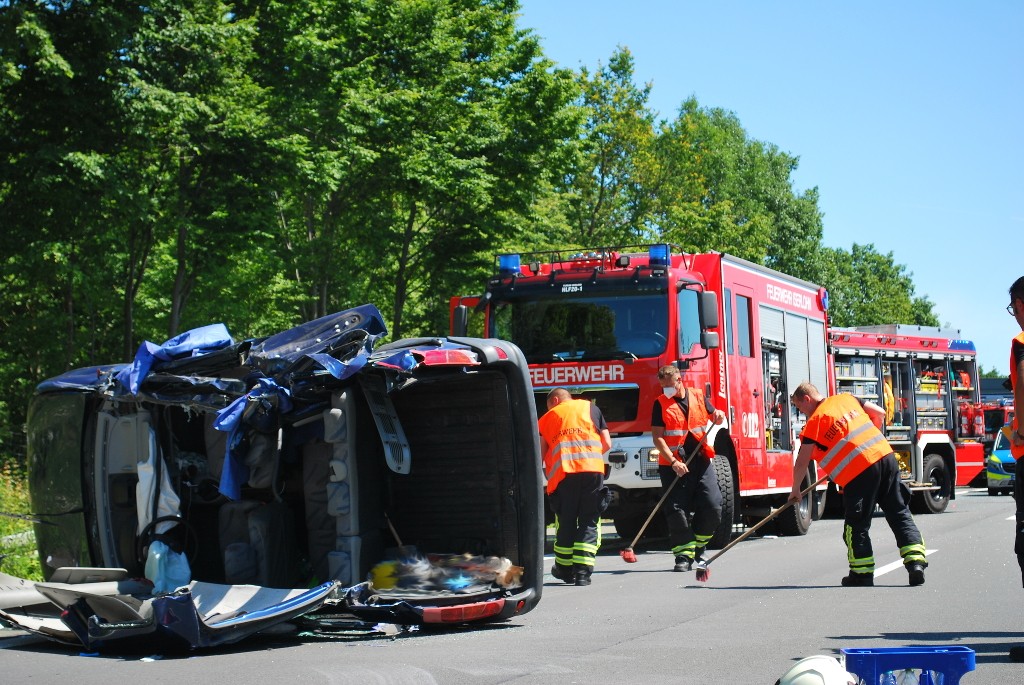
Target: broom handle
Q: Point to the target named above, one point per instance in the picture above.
(774, 512)
(664, 495)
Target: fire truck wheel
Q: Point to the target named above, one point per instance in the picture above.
(932, 501)
(797, 519)
(727, 484)
(833, 508)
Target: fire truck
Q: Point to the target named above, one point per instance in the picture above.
(926, 378)
(601, 322)
(986, 418)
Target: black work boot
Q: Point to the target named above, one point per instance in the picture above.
(859, 580)
(562, 573)
(582, 575)
(915, 570)
(683, 563)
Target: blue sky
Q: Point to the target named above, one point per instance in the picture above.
(907, 116)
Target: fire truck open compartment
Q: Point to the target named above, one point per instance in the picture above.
(927, 381)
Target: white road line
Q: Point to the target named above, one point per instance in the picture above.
(1011, 518)
(898, 564)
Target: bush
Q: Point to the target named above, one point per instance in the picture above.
(18, 554)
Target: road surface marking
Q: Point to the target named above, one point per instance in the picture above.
(897, 564)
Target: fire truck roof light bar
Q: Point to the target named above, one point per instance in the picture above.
(658, 255)
(508, 264)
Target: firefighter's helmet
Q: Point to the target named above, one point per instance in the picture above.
(817, 670)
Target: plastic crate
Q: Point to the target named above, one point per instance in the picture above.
(869, 664)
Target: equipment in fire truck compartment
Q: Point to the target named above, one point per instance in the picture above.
(777, 412)
(925, 379)
(931, 395)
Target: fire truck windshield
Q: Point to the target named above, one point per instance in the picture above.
(584, 327)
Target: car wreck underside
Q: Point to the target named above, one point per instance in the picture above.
(212, 489)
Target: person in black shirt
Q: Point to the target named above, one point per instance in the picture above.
(678, 422)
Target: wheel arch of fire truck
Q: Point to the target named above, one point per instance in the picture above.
(600, 322)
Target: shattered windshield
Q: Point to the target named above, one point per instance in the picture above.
(584, 327)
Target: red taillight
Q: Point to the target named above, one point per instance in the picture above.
(463, 613)
(447, 357)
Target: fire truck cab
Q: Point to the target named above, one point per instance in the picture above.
(601, 322)
(926, 379)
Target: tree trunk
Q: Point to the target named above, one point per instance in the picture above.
(402, 274)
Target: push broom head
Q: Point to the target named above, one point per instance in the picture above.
(628, 556)
(702, 573)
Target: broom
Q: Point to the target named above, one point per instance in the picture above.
(627, 554)
(702, 571)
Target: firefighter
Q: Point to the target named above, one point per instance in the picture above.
(1016, 310)
(574, 436)
(843, 435)
(678, 422)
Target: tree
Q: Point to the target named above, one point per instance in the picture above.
(432, 128)
(197, 129)
(721, 190)
(868, 288)
(609, 196)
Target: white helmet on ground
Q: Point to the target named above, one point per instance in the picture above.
(817, 670)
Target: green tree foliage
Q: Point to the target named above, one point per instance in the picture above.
(724, 191)
(868, 288)
(990, 373)
(430, 129)
(261, 163)
(609, 195)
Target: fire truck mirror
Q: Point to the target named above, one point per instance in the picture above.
(709, 313)
(709, 340)
(460, 320)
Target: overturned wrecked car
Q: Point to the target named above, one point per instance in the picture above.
(213, 488)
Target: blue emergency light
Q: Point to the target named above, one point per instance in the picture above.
(658, 255)
(508, 264)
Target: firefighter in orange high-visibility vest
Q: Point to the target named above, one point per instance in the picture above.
(843, 435)
(678, 422)
(574, 437)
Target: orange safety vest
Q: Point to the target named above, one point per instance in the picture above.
(679, 425)
(851, 441)
(574, 443)
(1017, 452)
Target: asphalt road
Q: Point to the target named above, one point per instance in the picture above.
(768, 602)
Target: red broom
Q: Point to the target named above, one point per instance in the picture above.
(702, 570)
(627, 554)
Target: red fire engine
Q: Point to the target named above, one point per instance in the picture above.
(601, 322)
(927, 381)
(983, 420)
